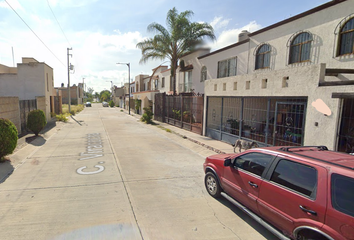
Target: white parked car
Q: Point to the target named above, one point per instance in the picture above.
(105, 104)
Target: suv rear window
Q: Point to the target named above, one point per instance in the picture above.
(343, 194)
(298, 177)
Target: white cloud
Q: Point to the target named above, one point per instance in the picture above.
(230, 36)
(71, 3)
(95, 56)
(219, 22)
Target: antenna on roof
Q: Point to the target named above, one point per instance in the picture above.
(13, 58)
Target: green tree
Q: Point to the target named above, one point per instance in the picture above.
(89, 94)
(90, 90)
(105, 95)
(181, 37)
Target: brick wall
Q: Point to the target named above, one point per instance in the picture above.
(10, 109)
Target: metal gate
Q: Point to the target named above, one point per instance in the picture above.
(159, 113)
(346, 128)
(25, 107)
(268, 121)
(184, 110)
(289, 124)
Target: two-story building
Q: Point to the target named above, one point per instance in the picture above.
(30, 80)
(266, 87)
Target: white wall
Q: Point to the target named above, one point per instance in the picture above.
(321, 24)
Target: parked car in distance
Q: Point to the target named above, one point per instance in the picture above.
(302, 192)
(88, 104)
(105, 104)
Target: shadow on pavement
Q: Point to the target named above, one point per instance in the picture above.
(250, 221)
(40, 141)
(75, 120)
(6, 169)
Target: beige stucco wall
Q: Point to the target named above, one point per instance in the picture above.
(6, 69)
(42, 105)
(10, 109)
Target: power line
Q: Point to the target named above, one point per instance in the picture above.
(34, 33)
(58, 23)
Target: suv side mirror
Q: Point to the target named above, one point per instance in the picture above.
(227, 162)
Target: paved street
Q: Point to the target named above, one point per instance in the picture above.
(105, 175)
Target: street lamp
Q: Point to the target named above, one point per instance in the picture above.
(128, 64)
(70, 67)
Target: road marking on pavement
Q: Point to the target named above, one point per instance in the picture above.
(94, 150)
(79, 171)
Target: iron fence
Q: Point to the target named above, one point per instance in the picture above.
(269, 121)
(184, 110)
(25, 107)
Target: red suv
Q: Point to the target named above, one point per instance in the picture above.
(295, 192)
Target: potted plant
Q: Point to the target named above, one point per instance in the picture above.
(234, 125)
(247, 130)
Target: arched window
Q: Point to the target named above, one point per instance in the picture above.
(300, 48)
(203, 75)
(346, 38)
(263, 57)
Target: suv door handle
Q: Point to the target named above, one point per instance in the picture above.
(308, 211)
(253, 184)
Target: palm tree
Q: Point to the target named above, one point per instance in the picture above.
(180, 38)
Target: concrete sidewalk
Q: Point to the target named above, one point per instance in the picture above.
(27, 144)
(207, 142)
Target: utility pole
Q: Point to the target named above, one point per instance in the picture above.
(69, 67)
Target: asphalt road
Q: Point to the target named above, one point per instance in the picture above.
(105, 175)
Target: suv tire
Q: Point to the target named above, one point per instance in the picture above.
(309, 235)
(212, 185)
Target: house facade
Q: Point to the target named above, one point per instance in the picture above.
(76, 94)
(190, 75)
(267, 86)
(30, 80)
(118, 96)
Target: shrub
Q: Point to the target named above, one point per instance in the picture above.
(147, 116)
(76, 108)
(177, 114)
(111, 103)
(62, 117)
(137, 104)
(8, 137)
(36, 121)
(73, 112)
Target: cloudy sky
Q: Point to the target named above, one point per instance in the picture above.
(104, 32)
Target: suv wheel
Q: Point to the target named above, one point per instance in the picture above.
(212, 185)
(309, 235)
